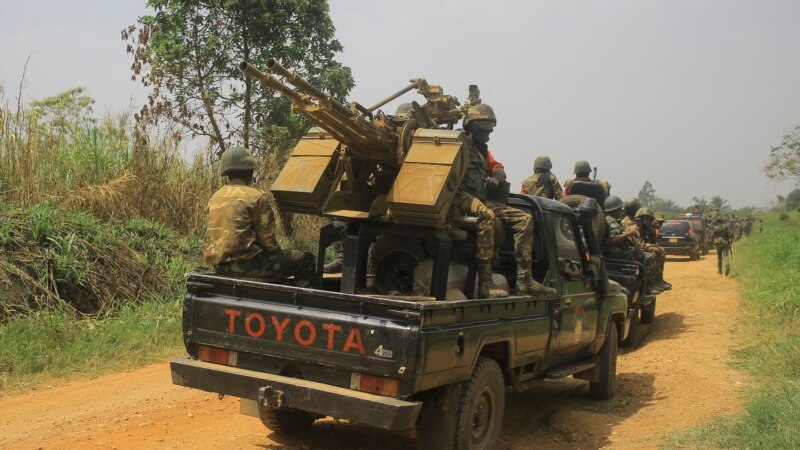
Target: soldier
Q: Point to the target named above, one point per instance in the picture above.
(621, 242)
(722, 241)
(240, 236)
(658, 222)
(483, 169)
(542, 183)
(631, 205)
(649, 242)
(582, 170)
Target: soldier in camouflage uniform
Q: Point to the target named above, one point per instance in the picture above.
(582, 170)
(471, 199)
(722, 242)
(542, 183)
(649, 242)
(620, 242)
(240, 235)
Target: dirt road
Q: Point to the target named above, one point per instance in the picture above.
(679, 377)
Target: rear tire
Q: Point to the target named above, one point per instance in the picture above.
(286, 421)
(635, 334)
(480, 408)
(604, 387)
(649, 313)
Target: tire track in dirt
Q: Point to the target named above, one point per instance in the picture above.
(677, 378)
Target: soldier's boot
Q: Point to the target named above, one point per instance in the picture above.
(719, 266)
(663, 283)
(486, 287)
(336, 265)
(526, 285)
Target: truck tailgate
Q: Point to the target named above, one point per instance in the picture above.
(341, 331)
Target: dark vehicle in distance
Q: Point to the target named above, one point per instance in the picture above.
(702, 229)
(680, 237)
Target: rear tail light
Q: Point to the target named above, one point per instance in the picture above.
(373, 384)
(217, 355)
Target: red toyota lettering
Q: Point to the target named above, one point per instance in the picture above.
(279, 327)
(354, 341)
(262, 325)
(312, 333)
(331, 328)
(232, 314)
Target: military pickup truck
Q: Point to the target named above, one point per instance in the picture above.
(294, 355)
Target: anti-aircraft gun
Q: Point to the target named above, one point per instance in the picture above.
(388, 177)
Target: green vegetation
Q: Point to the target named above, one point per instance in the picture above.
(768, 267)
(53, 344)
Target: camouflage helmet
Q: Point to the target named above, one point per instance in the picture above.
(542, 162)
(612, 203)
(659, 216)
(481, 112)
(632, 205)
(582, 167)
(403, 111)
(236, 158)
(643, 213)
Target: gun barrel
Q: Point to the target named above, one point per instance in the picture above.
(304, 86)
(269, 81)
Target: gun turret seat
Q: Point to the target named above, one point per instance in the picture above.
(591, 189)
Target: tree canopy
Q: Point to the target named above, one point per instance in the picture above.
(784, 161)
(189, 51)
(647, 194)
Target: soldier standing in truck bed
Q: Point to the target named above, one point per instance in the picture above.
(542, 183)
(240, 235)
(471, 199)
(582, 170)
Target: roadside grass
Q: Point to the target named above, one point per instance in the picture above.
(54, 345)
(768, 267)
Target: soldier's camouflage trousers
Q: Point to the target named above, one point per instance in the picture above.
(723, 257)
(277, 265)
(660, 254)
(522, 224)
(648, 259)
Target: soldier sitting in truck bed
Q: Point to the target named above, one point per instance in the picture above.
(240, 236)
(471, 199)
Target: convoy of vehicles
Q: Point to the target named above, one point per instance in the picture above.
(680, 237)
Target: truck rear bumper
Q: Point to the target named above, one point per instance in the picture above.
(369, 409)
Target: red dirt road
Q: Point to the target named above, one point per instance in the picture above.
(679, 377)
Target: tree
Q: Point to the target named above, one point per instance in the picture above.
(647, 194)
(784, 161)
(701, 203)
(664, 205)
(720, 203)
(793, 200)
(189, 52)
(71, 107)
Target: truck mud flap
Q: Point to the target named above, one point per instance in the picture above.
(319, 398)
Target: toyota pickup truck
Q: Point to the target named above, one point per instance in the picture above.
(294, 355)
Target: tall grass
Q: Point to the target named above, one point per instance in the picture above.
(768, 267)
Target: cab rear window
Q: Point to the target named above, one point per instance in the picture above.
(675, 227)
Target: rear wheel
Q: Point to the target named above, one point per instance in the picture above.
(649, 313)
(286, 421)
(480, 408)
(635, 333)
(604, 387)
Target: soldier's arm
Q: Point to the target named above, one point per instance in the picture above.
(264, 224)
(558, 193)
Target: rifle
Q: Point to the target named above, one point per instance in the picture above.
(595, 174)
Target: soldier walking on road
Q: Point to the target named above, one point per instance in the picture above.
(722, 242)
(542, 183)
(240, 235)
(483, 169)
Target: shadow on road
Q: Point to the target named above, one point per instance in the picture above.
(665, 326)
(552, 415)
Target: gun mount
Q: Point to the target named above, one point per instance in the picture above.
(358, 163)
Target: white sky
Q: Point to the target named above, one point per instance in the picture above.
(688, 94)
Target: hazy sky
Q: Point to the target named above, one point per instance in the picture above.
(689, 95)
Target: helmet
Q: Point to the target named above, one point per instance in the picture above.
(612, 203)
(632, 204)
(659, 216)
(644, 213)
(236, 158)
(542, 162)
(482, 112)
(582, 167)
(403, 111)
